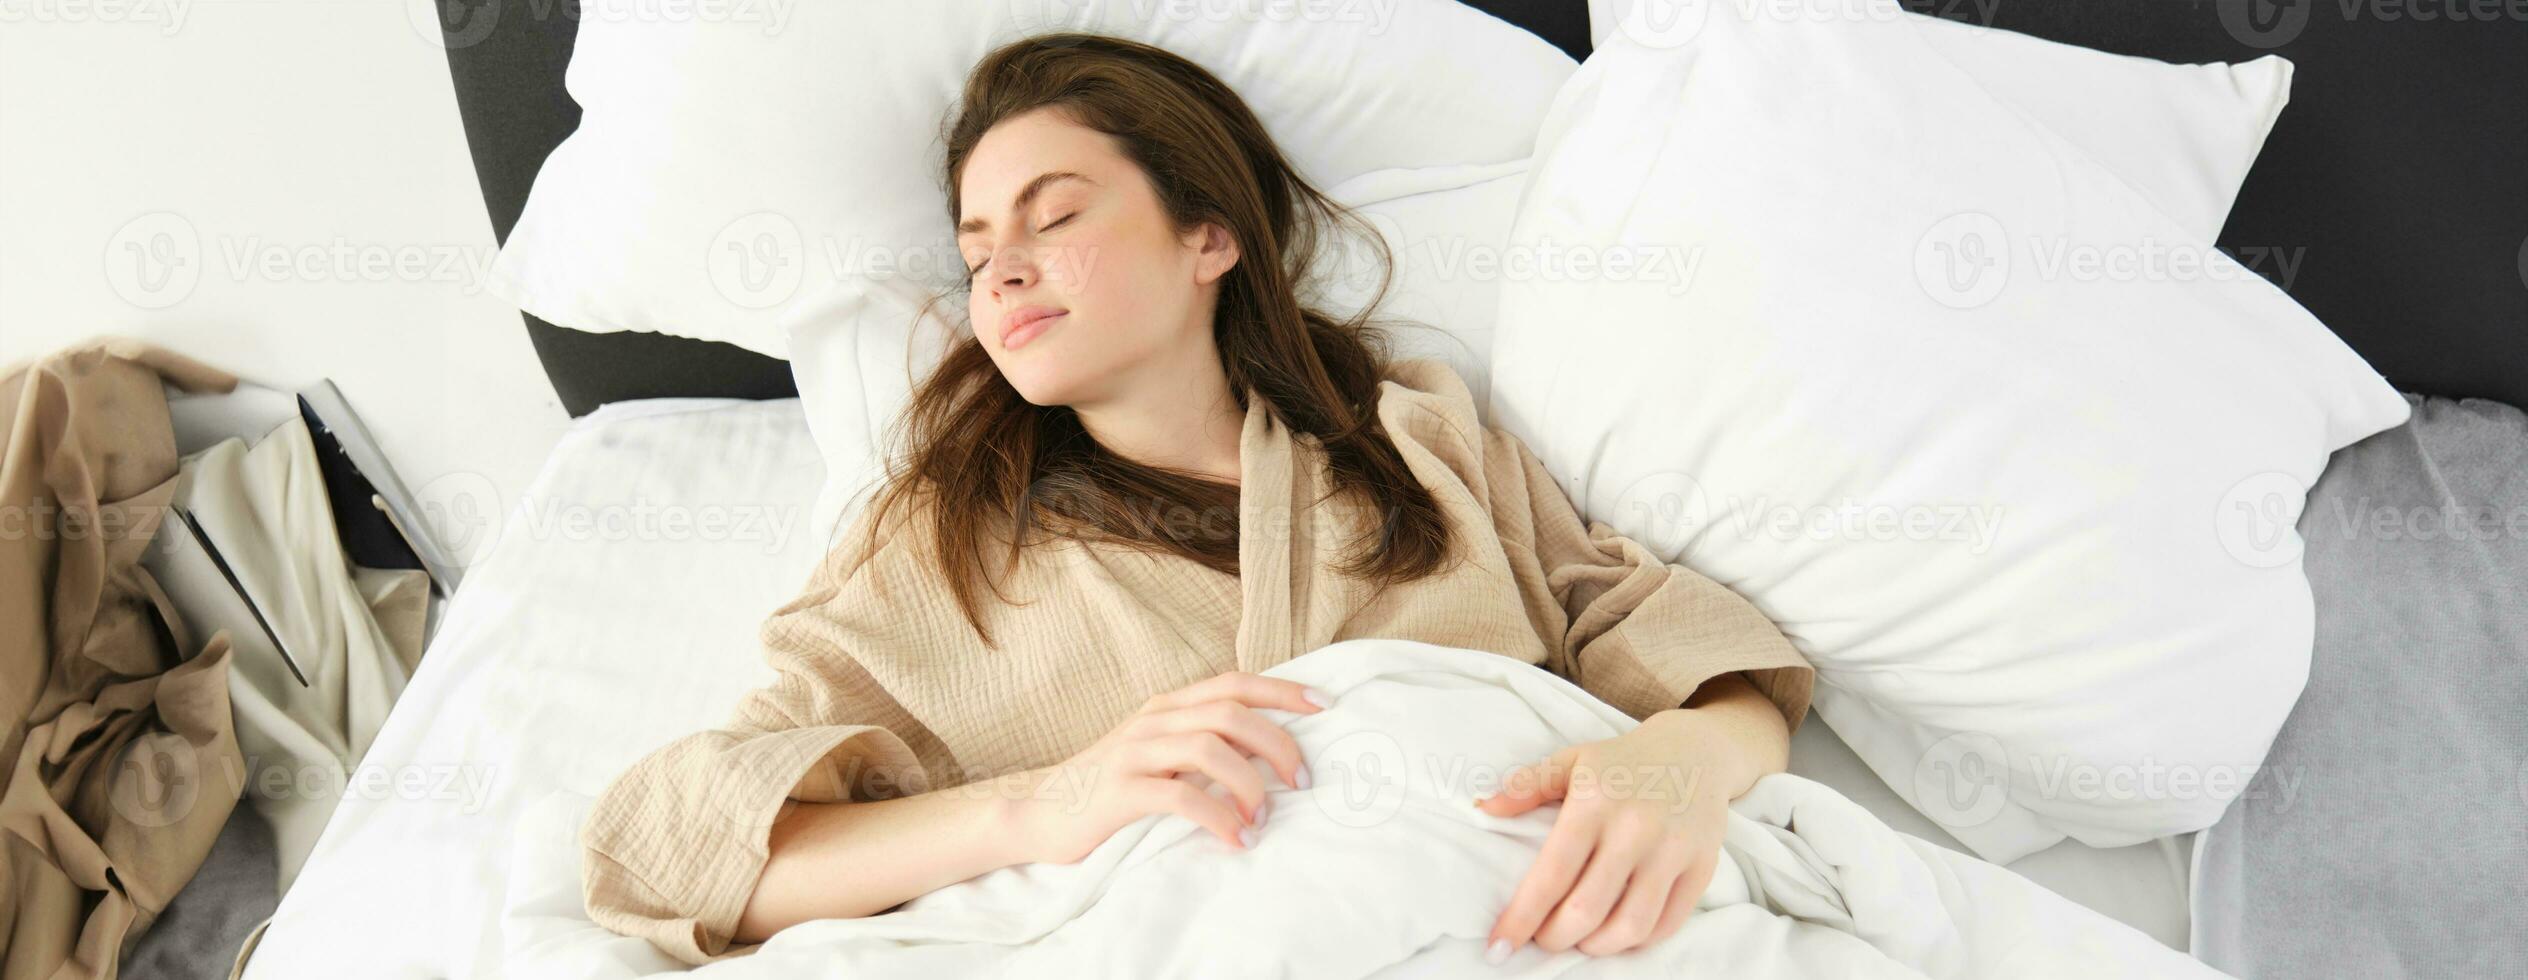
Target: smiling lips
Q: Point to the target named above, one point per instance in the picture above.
(1024, 323)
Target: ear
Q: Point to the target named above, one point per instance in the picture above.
(1215, 252)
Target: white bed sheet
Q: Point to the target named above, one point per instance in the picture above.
(593, 631)
(2143, 885)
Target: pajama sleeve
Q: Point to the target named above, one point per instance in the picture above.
(673, 848)
(1638, 632)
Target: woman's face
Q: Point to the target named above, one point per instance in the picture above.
(1081, 286)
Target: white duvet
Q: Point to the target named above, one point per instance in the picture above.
(1384, 868)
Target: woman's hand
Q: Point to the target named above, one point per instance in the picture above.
(1639, 835)
(1209, 727)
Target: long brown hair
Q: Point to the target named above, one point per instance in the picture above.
(998, 472)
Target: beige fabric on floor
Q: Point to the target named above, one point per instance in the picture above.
(399, 599)
(118, 746)
(884, 689)
(266, 508)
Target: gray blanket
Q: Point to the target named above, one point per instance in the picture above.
(2388, 835)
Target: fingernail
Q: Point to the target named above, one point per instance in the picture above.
(1246, 837)
(1304, 778)
(1262, 810)
(1498, 951)
(1317, 697)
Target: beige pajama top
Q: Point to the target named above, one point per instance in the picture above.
(884, 689)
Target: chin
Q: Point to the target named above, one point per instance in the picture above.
(1042, 388)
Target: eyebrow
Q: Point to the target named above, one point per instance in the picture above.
(1025, 195)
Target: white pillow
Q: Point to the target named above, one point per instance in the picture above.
(2204, 125)
(857, 358)
(2182, 135)
(2013, 456)
(731, 179)
(1447, 252)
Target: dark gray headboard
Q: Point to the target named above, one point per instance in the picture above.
(2391, 200)
(507, 58)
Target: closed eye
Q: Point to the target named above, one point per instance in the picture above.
(977, 269)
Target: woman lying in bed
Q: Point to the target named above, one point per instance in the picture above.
(1149, 474)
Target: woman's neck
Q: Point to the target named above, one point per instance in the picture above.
(1179, 417)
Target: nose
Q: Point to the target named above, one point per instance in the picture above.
(1014, 268)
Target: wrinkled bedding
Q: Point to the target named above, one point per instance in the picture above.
(612, 609)
(1383, 868)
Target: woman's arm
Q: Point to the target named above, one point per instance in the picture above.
(674, 845)
(1643, 814)
(844, 860)
(1640, 633)
(1639, 839)
(1718, 688)
(673, 848)
(888, 851)
(1744, 730)
(1723, 739)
